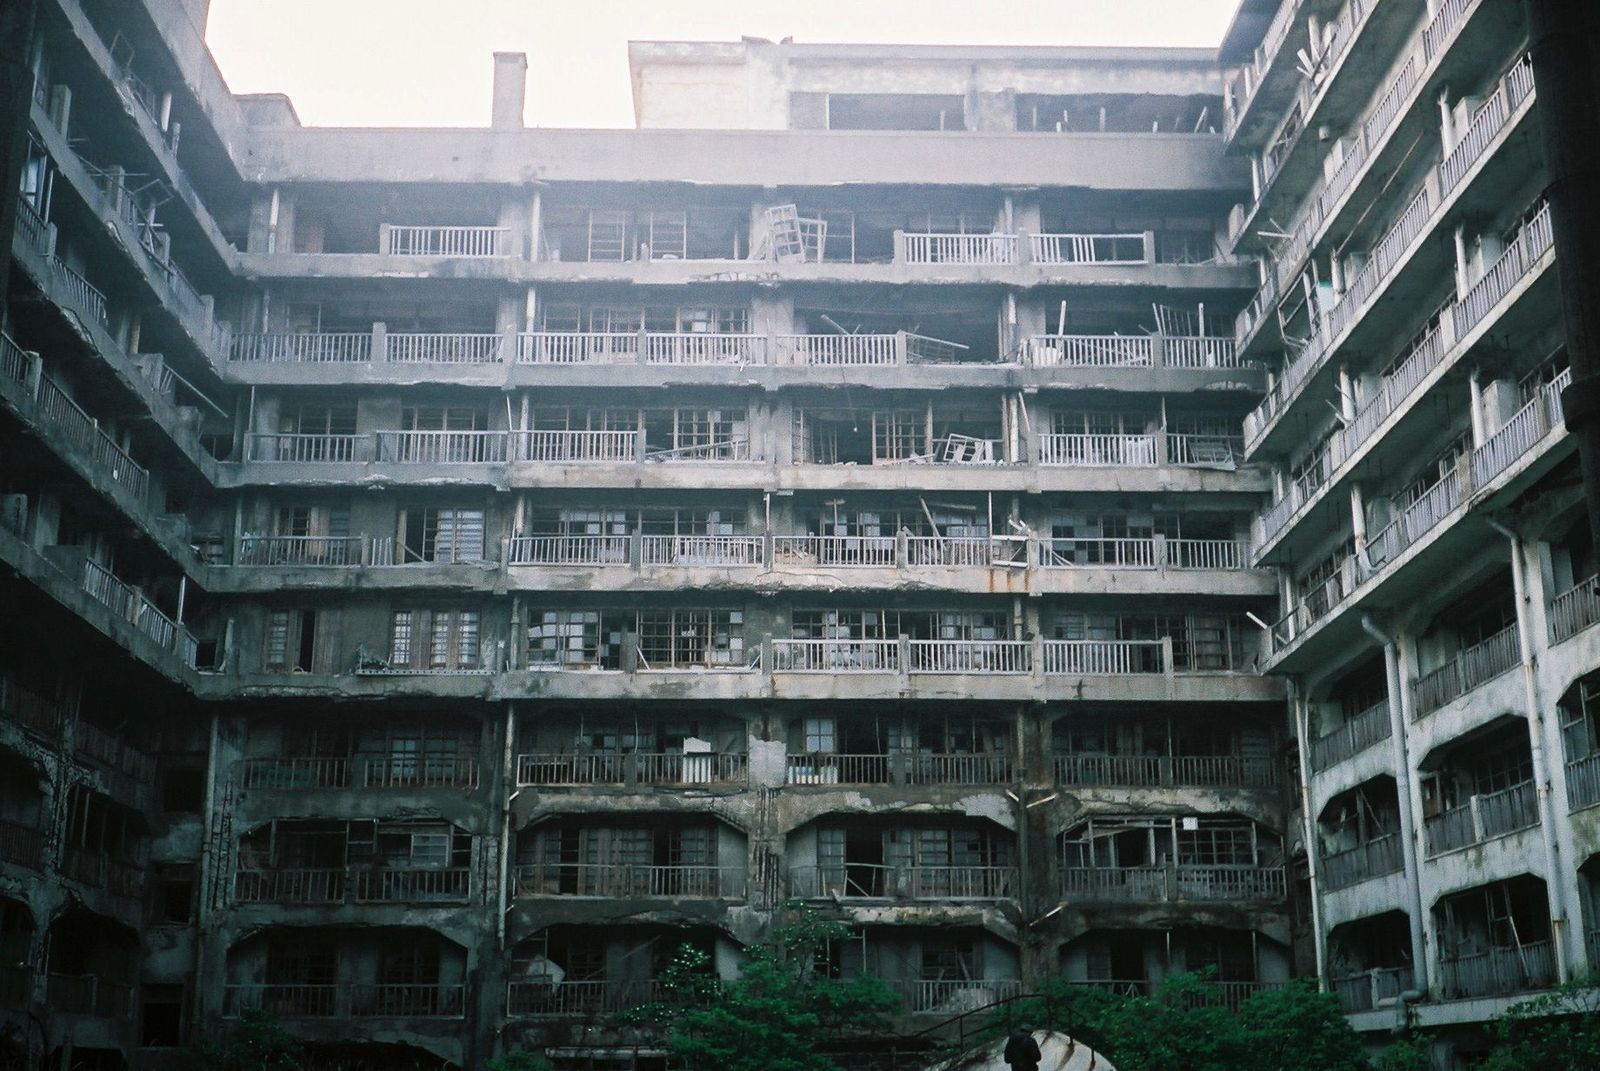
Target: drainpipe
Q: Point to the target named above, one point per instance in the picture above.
(1308, 831)
(1555, 883)
(1408, 819)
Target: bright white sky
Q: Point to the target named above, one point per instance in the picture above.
(427, 62)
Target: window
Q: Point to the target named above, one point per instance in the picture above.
(686, 638)
(290, 645)
(442, 535)
(819, 736)
(452, 639)
(575, 639)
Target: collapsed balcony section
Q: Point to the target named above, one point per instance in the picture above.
(1359, 835)
(1131, 861)
(1495, 940)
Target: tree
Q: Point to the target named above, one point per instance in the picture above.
(1556, 1031)
(778, 1014)
(257, 1043)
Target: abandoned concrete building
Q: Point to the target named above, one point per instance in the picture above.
(1070, 513)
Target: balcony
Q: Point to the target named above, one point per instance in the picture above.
(353, 885)
(1154, 552)
(576, 1000)
(1482, 818)
(1112, 658)
(30, 709)
(629, 881)
(21, 844)
(131, 605)
(1583, 782)
(641, 347)
(899, 349)
(432, 347)
(311, 551)
(294, 1001)
(1473, 667)
(1360, 732)
(100, 870)
(952, 996)
(109, 750)
(970, 656)
(924, 248)
(860, 881)
(409, 240)
(408, 772)
(70, 994)
(1131, 351)
(1378, 987)
(1498, 972)
(658, 769)
(1374, 859)
(342, 347)
(1183, 882)
(442, 447)
(1575, 609)
(1166, 771)
(898, 768)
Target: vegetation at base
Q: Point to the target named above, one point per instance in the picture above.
(778, 1015)
(1555, 1031)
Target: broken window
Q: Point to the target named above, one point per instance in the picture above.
(691, 638)
(441, 535)
(292, 643)
(576, 639)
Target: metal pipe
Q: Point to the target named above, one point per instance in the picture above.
(1309, 831)
(1408, 821)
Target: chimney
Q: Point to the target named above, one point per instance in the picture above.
(510, 86)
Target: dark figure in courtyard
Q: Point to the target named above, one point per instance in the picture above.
(1022, 1052)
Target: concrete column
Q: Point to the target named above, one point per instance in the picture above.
(1462, 284)
(1447, 123)
(1408, 798)
(1475, 386)
(1309, 832)
(1544, 740)
(1358, 517)
(1347, 396)
(510, 87)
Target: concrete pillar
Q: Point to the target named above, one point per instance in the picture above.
(510, 88)
(1462, 284)
(1447, 125)
(1475, 387)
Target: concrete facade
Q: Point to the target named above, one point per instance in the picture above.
(507, 555)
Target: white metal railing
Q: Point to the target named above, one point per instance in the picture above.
(442, 447)
(579, 445)
(710, 550)
(1203, 451)
(946, 996)
(921, 248)
(835, 656)
(294, 773)
(1481, 130)
(898, 768)
(971, 656)
(1110, 249)
(1199, 351)
(1103, 657)
(863, 551)
(15, 363)
(341, 347)
(578, 347)
(630, 880)
(32, 227)
(446, 241)
(975, 551)
(841, 350)
(1531, 243)
(570, 550)
(1439, 28)
(300, 550)
(1093, 450)
(699, 348)
(434, 347)
(1575, 609)
(1527, 426)
(1092, 351)
(877, 881)
(307, 447)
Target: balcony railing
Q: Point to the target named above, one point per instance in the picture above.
(1105, 249)
(132, 606)
(1358, 733)
(1475, 666)
(71, 994)
(342, 347)
(871, 881)
(1531, 243)
(575, 1000)
(954, 995)
(835, 656)
(1517, 437)
(29, 708)
(1374, 859)
(301, 550)
(1583, 782)
(1141, 884)
(630, 881)
(971, 656)
(862, 551)
(1098, 451)
(661, 769)
(323, 1001)
(21, 844)
(357, 885)
(1179, 771)
(1575, 609)
(570, 550)
(1482, 818)
(437, 241)
(100, 870)
(916, 248)
(564, 447)
(78, 292)
(1155, 552)
(431, 347)
(442, 447)
(58, 409)
(1374, 988)
(898, 768)
(109, 750)
(1499, 971)
(1113, 658)
(294, 774)
(636, 347)
(307, 447)
(32, 228)
(701, 550)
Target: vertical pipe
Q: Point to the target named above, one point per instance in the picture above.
(1309, 832)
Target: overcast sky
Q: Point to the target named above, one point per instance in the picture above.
(427, 62)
